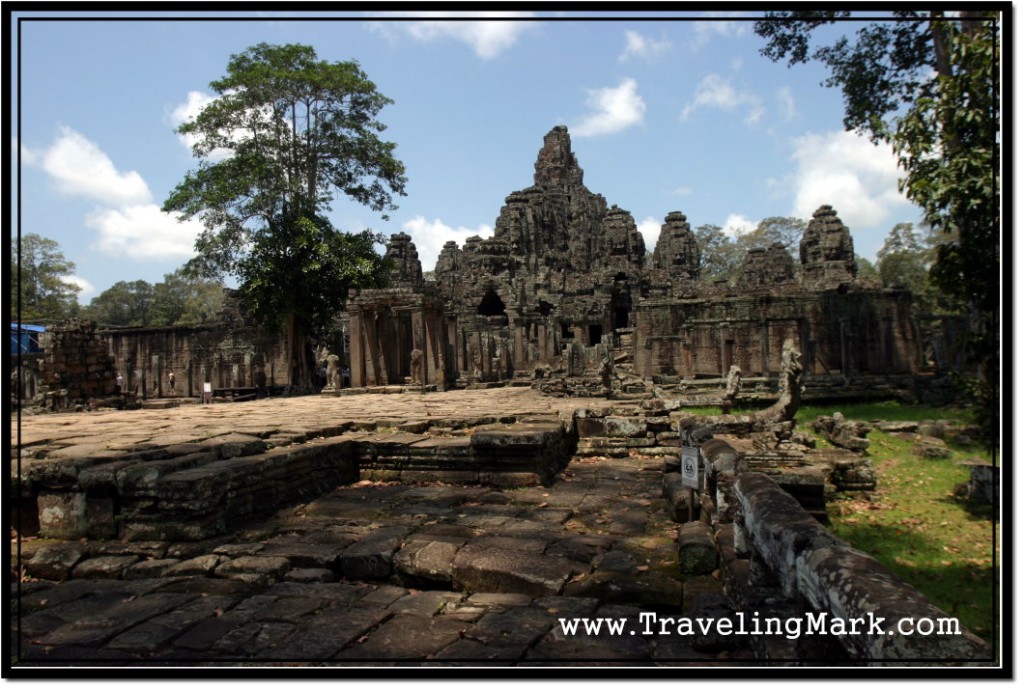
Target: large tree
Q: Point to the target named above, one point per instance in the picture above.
(182, 298)
(928, 83)
(126, 303)
(286, 135)
(41, 270)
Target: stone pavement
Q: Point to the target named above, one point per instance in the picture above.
(373, 572)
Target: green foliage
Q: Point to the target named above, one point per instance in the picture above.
(904, 261)
(186, 299)
(867, 271)
(287, 134)
(126, 303)
(46, 295)
(786, 231)
(721, 256)
(317, 264)
(927, 83)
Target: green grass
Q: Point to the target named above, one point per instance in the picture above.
(885, 410)
(915, 525)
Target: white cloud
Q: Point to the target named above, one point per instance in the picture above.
(187, 111)
(714, 26)
(615, 109)
(489, 36)
(128, 223)
(849, 173)
(650, 228)
(143, 232)
(715, 91)
(787, 104)
(430, 236)
(86, 290)
(738, 224)
(81, 169)
(639, 46)
(683, 191)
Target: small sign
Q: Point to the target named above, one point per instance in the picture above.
(207, 387)
(689, 467)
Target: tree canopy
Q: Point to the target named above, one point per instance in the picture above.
(721, 256)
(926, 82)
(287, 135)
(42, 270)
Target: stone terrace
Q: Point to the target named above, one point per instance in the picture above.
(370, 570)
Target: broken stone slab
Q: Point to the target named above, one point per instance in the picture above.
(97, 627)
(141, 478)
(158, 633)
(611, 427)
(406, 637)
(427, 563)
(306, 554)
(103, 567)
(326, 633)
(234, 444)
(308, 575)
(696, 546)
(54, 562)
(149, 568)
(931, 448)
(650, 589)
(518, 438)
(847, 434)
(233, 551)
(496, 570)
(197, 566)
(896, 426)
(371, 557)
(263, 570)
(714, 606)
(514, 629)
(698, 585)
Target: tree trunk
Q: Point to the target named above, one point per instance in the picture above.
(300, 357)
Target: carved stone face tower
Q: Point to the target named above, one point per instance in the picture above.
(826, 252)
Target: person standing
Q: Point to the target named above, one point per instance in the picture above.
(170, 382)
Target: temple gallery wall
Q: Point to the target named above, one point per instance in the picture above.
(564, 288)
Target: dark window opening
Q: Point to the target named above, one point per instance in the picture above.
(621, 276)
(621, 317)
(594, 332)
(491, 305)
(567, 331)
(545, 308)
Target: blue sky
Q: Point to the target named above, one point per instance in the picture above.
(664, 115)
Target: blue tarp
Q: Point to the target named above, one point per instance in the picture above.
(25, 338)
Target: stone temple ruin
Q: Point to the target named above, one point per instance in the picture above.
(566, 284)
(455, 528)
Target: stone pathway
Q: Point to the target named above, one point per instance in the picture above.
(374, 572)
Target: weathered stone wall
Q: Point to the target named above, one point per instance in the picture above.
(859, 332)
(226, 354)
(76, 367)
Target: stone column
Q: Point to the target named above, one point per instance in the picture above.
(156, 375)
(765, 348)
(723, 359)
(357, 357)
